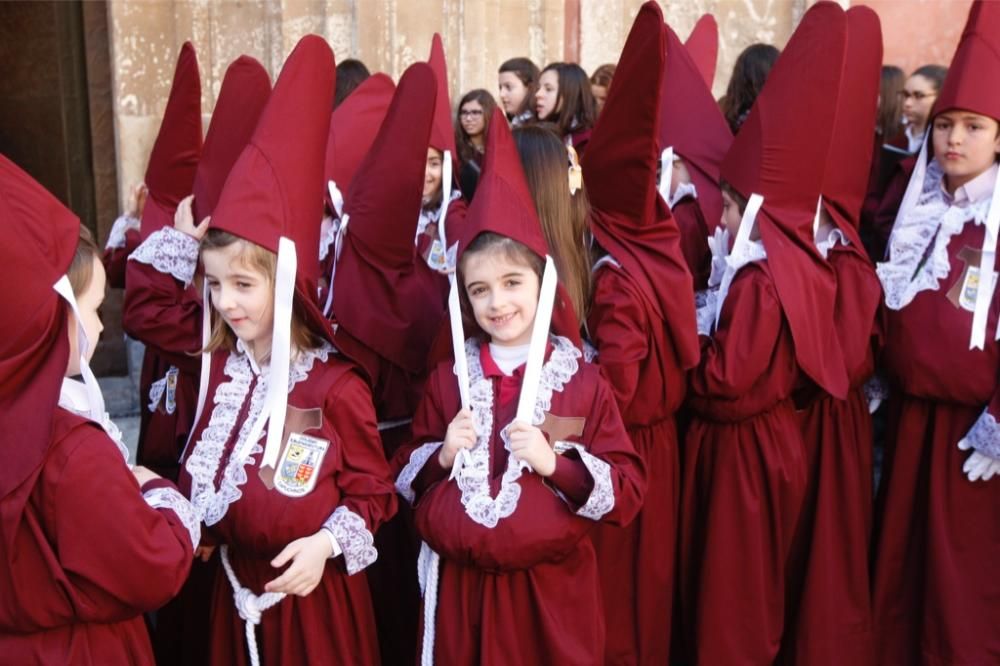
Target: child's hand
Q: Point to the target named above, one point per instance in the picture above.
(308, 556)
(144, 475)
(184, 220)
(529, 444)
(461, 435)
(137, 200)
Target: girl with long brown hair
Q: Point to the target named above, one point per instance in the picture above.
(564, 97)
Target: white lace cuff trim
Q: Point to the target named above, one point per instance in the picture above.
(419, 458)
(169, 498)
(590, 353)
(602, 497)
(116, 238)
(984, 436)
(327, 236)
(169, 251)
(705, 304)
(353, 537)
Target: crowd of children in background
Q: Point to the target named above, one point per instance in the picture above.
(592, 371)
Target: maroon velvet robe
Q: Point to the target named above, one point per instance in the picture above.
(937, 537)
(694, 240)
(834, 621)
(525, 591)
(115, 258)
(90, 556)
(743, 482)
(636, 562)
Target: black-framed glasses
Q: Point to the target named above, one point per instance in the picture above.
(470, 113)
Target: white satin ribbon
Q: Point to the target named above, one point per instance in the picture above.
(666, 172)
(94, 396)
(206, 361)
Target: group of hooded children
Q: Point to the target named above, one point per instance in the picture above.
(634, 431)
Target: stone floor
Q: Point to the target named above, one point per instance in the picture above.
(121, 399)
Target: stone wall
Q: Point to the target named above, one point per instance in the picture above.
(389, 35)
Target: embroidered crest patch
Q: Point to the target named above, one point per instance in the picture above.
(299, 466)
(171, 393)
(965, 290)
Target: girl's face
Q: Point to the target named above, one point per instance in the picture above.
(503, 295)
(600, 94)
(918, 97)
(512, 92)
(88, 303)
(731, 216)
(432, 173)
(471, 117)
(680, 175)
(965, 145)
(547, 95)
(242, 295)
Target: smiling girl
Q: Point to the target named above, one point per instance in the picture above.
(506, 480)
(284, 462)
(939, 505)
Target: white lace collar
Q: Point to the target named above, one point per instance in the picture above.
(433, 215)
(747, 253)
(918, 247)
(327, 235)
(230, 396)
(683, 190)
(474, 481)
(834, 238)
(73, 398)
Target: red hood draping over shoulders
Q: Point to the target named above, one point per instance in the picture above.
(845, 182)
(275, 188)
(781, 153)
(976, 62)
(503, 205)
(38, 237)
(703, 47)
(175, 154)
(691, 122)
(353, 127)
(381, 296)
(629, 218)
(244, 92)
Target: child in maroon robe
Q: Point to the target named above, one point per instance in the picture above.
(509, 577)
(770, 327)
(84, 552)
(642, 320)
(938, 513)
(316, 485)
(833, 623)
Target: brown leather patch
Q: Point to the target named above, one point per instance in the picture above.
(561, 428)
(296, 420)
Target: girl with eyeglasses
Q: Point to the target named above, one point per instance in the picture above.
(472, 122)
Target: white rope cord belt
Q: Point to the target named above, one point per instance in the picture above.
(428, 571)
(249, 605)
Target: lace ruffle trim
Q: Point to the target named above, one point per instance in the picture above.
(116, 239)
(419, 458)
(984, 436)
(474, 481)
(169, 498)
(203, 464)
(169, 251)
(931, 224)
(353, 537)
(602, 497)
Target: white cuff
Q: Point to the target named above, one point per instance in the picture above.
(169, 251)
(353, 538)
(419, 458)
(116, 238)
(984, 436)
(169, 498)
(602, 497)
